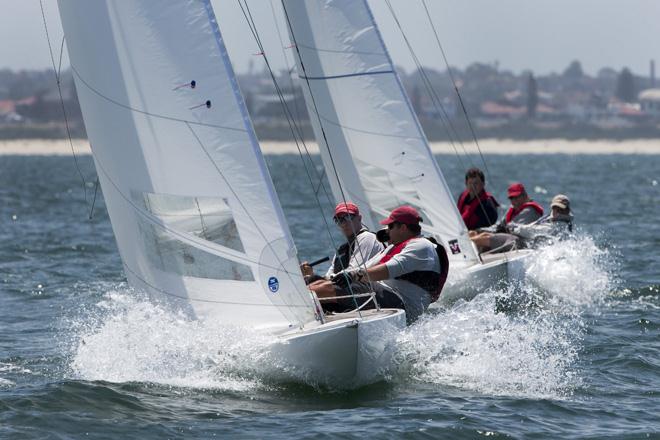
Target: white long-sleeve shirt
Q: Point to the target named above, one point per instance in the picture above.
(364, 248)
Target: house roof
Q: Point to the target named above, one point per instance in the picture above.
(649, 95)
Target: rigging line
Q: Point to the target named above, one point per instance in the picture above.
(349, 52)
(295, 129)
(251, 23)
(435, 99)
(453, 81)
(149, 217)
(96, 189)
(144, 112)
(236, 303)
(433, 92)
(460, 99)
(59, 90)
(247, 212)
(252, 136)
(325, 137)
(345, 75)
(374, 133)
(315, 107)
(286, 59)
(59, 67)
(263, 52)
(287, 112)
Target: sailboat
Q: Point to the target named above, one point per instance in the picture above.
(373, 147)
(193, 209)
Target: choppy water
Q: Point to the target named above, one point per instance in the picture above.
(83, 355)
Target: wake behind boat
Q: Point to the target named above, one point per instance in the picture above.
(193, 209)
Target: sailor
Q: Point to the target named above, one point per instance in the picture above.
(407, 274)
(555, 226)
(360, 246)
(477, 206)
(522, 211)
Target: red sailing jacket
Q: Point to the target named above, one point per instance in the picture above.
(469, 211)
(395, 250)
(512, 213)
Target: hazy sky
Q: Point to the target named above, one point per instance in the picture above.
(541, 35)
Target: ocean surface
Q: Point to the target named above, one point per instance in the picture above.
(84, 356)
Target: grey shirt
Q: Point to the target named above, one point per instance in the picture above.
(547, 226)
(524, 217)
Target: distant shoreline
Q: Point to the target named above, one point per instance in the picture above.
(45, 147)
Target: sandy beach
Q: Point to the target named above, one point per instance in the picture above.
(37, 147)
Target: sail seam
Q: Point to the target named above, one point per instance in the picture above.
(146, 113)
(374, 133)
(347, 75)
(268, 304)
(356, 52)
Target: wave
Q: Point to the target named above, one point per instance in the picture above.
(532, 351)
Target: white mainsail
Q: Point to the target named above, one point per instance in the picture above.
(190, 199)
(371, 142)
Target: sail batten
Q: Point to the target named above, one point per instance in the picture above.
(190, 199)
(370, 140)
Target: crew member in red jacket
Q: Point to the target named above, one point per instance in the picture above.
(408, 274)
(522, 211)
(477, 206)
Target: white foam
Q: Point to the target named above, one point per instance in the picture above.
(531, 352)
(575, 271)
(473, 347)
(11, 368)
(127, 338)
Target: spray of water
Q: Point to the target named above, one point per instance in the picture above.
(127, 338)
(529, 350)
(522, 341)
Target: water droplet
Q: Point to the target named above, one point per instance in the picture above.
(14, 217)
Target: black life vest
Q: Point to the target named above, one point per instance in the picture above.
(429, 280)
(344, 252)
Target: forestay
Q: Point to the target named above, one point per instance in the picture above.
(190, 199)
(372, 145)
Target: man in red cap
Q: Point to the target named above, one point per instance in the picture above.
(522, 211)
(406, 274)
(360, 246)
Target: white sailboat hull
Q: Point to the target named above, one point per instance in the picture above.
(496, 269)
(346, 352)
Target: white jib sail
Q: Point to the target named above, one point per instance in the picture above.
(190, 199)
(373, 148)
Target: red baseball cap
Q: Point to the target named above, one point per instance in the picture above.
(346, 208)
(403, 214)
(516, 189)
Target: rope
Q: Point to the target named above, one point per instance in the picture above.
(435, 98)
(56, 72)
(434, 94)
(454, 84)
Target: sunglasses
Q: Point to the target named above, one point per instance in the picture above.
(343, 219)
(393, 225)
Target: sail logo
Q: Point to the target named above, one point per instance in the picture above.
(273, 284)
(454, 247)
